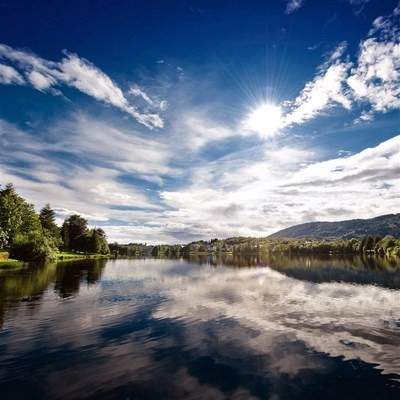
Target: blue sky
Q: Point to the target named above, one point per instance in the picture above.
(174, 121)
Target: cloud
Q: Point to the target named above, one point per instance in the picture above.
(375, 79)
(138, 92)
(117, 177)
(322, 93)
(78, 165)
(10, 76)
(360, 4)
(198, 130)
(40, 81)
(75, 72)
(293, 5)
(372, 81)
(264, 189)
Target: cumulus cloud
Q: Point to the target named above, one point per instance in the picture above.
(375, 79)
(372, 81)
(76, 72)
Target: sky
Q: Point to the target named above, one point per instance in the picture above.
(167, 122)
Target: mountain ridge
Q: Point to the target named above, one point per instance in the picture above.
(388, 224)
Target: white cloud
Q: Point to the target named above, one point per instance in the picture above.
(293, 5)
(77, 165)
(285, 187)
(196, 130)
(326, 90)
(81, 171)
(78, 73)
(376, 78)
(372, 81)
(138, 92)
(10, 76)
(40, 81)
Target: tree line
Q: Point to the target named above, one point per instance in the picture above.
(31, 236)
(382, 246)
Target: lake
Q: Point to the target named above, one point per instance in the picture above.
(252, 327)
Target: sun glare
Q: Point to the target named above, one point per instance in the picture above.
(265, 120)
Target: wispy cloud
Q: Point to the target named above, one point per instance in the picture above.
(71, 71)
(323, 92)
(78, 165)
(10, 76)
(293, 5)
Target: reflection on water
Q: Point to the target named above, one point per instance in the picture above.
(202, 328)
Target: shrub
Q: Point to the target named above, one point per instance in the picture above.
(32, 247)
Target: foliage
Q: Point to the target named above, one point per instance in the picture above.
(3, 239)
(130, 250)
(74, 233)
(34, 237)
(16, 216)
(32, 247)
(167, 251)
(98, 243)
(47, 218)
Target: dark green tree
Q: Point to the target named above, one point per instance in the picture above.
(95, 243)
(47, 219)
(74, 232)
(101, 239)
(16, 215)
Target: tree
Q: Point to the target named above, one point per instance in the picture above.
(98, 242)
(47, 218)
(95, 243)
(73, 232)
(16, 215)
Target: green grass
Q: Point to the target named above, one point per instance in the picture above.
(10, 263)
(69, 255)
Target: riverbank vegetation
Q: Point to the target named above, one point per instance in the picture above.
(382, 246)
(30, 236)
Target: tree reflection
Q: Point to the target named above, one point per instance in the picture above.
(362, 269)
(70, 277)
(30, 283)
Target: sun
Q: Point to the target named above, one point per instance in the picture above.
(265, 120)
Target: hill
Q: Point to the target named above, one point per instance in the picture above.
(378, 226)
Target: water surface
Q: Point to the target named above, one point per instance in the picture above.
(231, 328)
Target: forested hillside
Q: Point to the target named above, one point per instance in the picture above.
(379, 226)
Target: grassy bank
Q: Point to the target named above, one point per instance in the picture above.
(6, 262)
(69, 255)
(10, 263)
